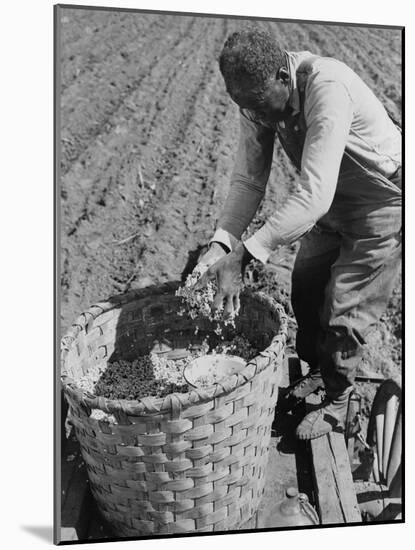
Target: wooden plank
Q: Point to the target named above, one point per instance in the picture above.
(335, 493)
(327, 497)
(344, 479)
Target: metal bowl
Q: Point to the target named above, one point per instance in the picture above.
(212, 368)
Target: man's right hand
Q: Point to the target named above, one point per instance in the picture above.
(214, 254)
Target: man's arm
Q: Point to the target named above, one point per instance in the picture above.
(248, 180)
(328, 114)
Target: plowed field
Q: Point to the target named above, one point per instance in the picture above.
(147, 142)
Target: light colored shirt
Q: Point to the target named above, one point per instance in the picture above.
(340, 113)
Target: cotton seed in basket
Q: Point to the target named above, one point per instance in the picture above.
(152, 375)
(198, 303)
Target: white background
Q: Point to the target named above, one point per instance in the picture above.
(26, 126)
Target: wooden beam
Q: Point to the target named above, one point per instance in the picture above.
(335, 492)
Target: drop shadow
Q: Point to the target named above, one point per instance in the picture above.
(42, 532)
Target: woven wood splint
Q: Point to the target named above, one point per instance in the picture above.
(185, 463)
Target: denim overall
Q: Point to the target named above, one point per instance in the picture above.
(347, 264)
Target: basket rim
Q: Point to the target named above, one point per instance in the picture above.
(176, 401)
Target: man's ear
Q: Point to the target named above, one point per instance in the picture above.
(283, 75)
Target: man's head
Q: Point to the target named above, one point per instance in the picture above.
(256, 75)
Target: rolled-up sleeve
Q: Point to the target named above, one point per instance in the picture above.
(249, 177)
(328, 112)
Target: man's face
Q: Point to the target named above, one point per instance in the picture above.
(273, 106)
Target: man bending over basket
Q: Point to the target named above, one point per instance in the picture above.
(346, 208)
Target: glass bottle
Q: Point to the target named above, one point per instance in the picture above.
(293, 511)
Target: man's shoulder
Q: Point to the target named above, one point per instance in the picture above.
(324, 68)
(316, 74)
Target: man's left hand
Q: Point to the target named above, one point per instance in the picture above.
(228, 273)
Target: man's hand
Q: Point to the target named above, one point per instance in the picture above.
(228, 272)
(215, 253)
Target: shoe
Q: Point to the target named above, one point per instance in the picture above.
(331, 416)
(303, 387)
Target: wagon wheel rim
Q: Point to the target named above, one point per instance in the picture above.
(385, 435)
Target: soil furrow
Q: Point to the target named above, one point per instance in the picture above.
(110, 140)
(93, 54)
(101, 99)
(173, 141)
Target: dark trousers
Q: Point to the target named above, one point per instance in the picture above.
(345, 271)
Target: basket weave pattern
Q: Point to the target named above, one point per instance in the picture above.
(185, 463)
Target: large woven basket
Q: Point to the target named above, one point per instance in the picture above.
(190, 462)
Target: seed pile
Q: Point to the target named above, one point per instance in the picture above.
(154, 374)
(149, 375)
(198, 303)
